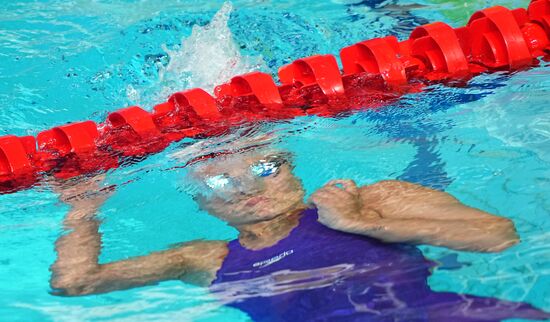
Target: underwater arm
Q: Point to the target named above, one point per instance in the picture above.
(77, 271)
(78, 250)
(482, 236)
(396, 211)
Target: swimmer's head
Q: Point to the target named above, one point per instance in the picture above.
(249, 187)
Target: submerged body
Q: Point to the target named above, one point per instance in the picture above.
(321, 274)
(345, 259)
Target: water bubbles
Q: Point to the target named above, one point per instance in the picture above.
(132, 93)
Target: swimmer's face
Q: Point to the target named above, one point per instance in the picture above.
(249, 188)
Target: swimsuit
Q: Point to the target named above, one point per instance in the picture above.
(320, 274)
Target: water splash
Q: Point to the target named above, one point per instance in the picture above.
(208, 57)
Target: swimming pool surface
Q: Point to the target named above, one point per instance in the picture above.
(61, 61)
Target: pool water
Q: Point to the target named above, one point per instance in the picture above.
(488, 143)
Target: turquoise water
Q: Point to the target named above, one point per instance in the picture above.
(488, 144)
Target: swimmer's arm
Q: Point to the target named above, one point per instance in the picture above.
(77, 251)
(194, 262)
(483, 235)
(396, 211)
(77, 271)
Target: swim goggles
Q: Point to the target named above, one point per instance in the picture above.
(266, 167)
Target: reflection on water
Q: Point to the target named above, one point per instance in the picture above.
(283, 281)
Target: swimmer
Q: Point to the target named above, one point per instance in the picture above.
(347, 253)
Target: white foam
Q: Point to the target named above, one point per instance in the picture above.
(208, 57)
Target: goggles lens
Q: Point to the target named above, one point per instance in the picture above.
(264, 169)
(261, 169)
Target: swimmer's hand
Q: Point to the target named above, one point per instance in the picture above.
(83, 192)
(339, 206)
(398, 211)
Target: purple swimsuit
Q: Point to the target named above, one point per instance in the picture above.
(320, 274)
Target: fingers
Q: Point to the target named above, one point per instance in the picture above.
(77, 182)
(347, 185)
(82, 188)
(332, 190)
(318, 197)
(331, 196)
(340, 190)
